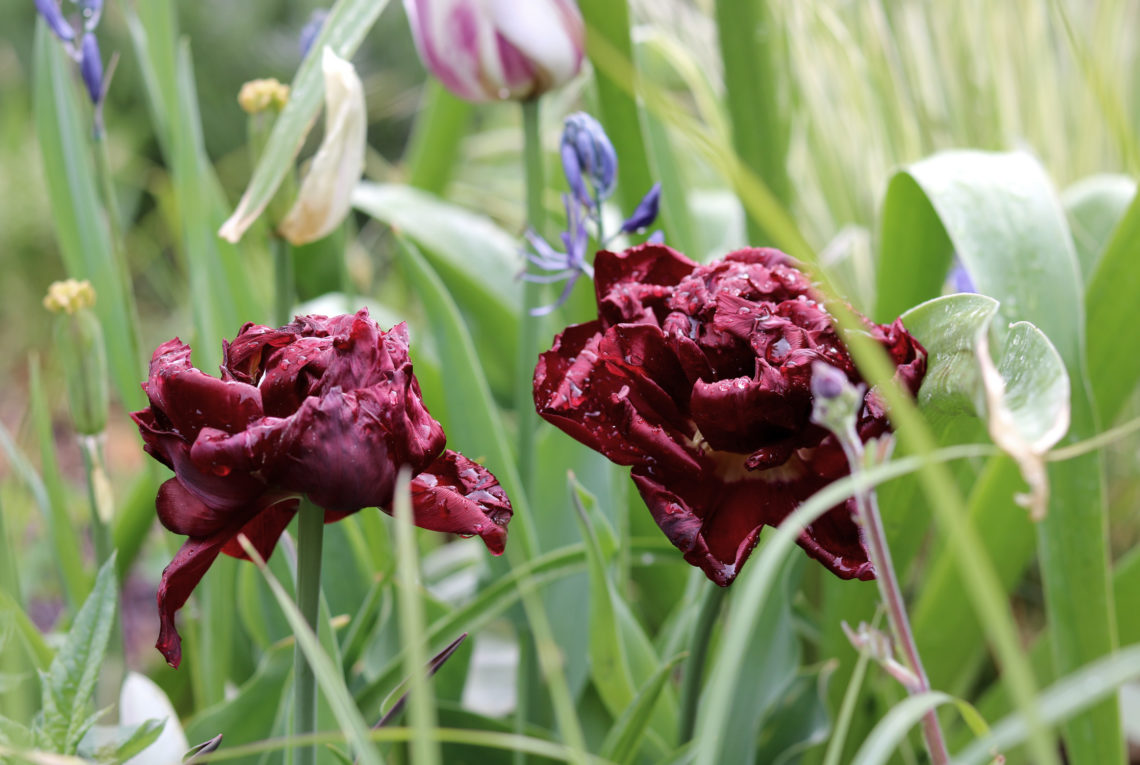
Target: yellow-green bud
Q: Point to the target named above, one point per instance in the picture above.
(79, 343)
(257, 96)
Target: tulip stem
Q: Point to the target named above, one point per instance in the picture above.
(525, 413)
(310, 539)
(867, 509)
(695, 663)
(283, 280)
(532, 294)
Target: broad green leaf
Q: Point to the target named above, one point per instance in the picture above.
(15, 735)
(477, 261)
(1036, 383)
(1095, 205)
(1114, 352)
(343, 30)
(247, 717)
(622, 742)
(70, 680)
(1061, 701)
(81, 223)
(1001, 216)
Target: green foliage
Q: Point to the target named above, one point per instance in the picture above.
(766, 123)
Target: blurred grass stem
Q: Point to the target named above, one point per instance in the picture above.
(310, 539)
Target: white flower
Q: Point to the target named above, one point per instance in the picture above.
(487, 50)
(325, 195)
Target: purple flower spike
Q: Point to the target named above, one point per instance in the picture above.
(91, 67)
(52, 14)
(645, 213)
(587, 153)
(569, 265)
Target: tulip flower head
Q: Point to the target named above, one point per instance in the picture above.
(702, 379)
(325, 408)
(493, 50)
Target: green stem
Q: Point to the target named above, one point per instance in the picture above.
(695, 664)
(532, 294)
(310, 538)
(283, 280)
(89, 448)
(879, 553)
(527, 417)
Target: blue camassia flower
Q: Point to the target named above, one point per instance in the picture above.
(589, 163)
(82, 46)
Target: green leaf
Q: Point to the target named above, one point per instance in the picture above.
(1061, 701)
(247, 717)
(622, 657)
(1000, 214)
(52, 500)
(477, 261)
(889, 733)
(608, 40)
(437, 135)
(1036, 383)
(78, 218)
(328, 675)
(131, 741)
(622, 741)
(15, 735)
(753, 49)
(343, 30)
(70, 680)
(1095, 205)
(799, 722)
(1114, 355)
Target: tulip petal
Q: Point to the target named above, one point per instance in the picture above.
(459, 496)
(325, 196)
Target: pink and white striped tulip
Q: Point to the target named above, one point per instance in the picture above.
(489, 50)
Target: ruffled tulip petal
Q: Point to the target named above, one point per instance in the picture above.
(180, 578)
(699, 377)
(459, 496)
(343, 413)
(264, 529)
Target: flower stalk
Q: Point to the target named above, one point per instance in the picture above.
(310, 542)
(532, 294)
(837, 403)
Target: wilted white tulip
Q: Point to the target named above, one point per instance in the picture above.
(324, 198)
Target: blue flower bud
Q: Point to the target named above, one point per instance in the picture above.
(646, 211)
(52, 14)
(91, 67)
(587, 154)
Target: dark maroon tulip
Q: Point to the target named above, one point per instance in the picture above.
(326, 408)
(699, 377)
